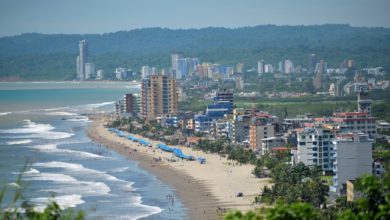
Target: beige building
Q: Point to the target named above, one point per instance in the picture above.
(257, 133)
(158, 96)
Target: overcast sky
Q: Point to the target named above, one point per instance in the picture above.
(101, 16)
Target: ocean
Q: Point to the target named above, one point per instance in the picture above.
(42, 124)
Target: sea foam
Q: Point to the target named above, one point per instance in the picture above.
(64, 201)
(5, 113)
(52, 148)
(97, 105)
(61, 113)
(78, 168)
(36, 130)
(68, 184)
(27, 141)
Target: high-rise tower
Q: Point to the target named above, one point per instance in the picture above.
(175, 57)
(82, 59)
(158, 96)
(312, 63)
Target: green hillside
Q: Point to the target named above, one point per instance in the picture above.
(52, 57)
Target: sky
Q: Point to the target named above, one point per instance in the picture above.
(102, 16)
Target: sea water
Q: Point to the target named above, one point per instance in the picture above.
(43, 125)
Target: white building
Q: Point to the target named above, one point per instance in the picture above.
(89, 70)
(260, 67)
(268, 68)
(353, 158)
(99, 74)
(289, 66)
(314, 147)
(239, 83)
(145, 72)
(120, 73)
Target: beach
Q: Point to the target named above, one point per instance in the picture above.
(207, 190)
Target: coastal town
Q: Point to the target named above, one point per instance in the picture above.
(194, 110)
(235, 150)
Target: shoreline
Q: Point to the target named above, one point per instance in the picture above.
(205, 190)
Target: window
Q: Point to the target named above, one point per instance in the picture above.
(314, 160)
(315, 154)
(314, 149)
(325, 149)
(303, 136)
(325, 155)
(302, 143)
(314, 142)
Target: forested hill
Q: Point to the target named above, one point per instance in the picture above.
(52, 56)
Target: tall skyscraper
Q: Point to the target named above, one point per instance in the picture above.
(321, 67)
(260, 67)
(175, 57)
(145, 71)
(312, 63)
(82, 59)
(158, 96)
(289, 66)
(240, 68)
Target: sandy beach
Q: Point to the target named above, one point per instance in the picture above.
(205, 189)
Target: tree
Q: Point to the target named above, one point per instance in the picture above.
(375, 201)
(295, 211)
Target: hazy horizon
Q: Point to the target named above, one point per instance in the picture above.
(200, 28)
(99, 16)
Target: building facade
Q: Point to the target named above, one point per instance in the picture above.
(82, 59)
(131, 103)
(158, 96)
(257, 132)
(314, 147)
(353, 158)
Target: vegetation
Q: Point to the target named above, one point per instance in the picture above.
(295, 184)
(53, 56)
(382, 110)
(373, 204)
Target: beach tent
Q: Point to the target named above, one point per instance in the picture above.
(130, 137)
(165, 147)
(120, 134)
(178, 153)
(143, 142)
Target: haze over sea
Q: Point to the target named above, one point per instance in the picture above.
(43, 123)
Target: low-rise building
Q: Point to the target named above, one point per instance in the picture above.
(355, 121)
(268, 144)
